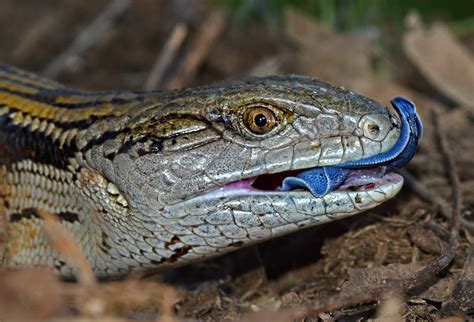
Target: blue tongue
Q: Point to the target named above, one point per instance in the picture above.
(319, 181)
(322, 180)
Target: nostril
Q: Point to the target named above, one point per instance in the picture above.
(374, 129)
(375, 126)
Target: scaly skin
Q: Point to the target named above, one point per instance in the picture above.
(137, 177)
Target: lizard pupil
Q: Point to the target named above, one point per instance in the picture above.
(260, 120)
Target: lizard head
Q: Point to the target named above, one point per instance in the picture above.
(205, 166)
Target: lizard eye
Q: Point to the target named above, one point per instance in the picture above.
(259, 120)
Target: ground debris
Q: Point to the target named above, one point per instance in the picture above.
(20, 301)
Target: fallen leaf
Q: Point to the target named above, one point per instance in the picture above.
(425, 239)
(336, 58)
(439, 291)
(361, 278)
(442, 60)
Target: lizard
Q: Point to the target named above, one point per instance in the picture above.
(151, 180)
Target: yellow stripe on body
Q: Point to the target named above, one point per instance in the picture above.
(37, 109)
(29, 102)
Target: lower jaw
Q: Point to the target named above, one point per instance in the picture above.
(334, 205)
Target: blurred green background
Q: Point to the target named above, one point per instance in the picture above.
(353, 14)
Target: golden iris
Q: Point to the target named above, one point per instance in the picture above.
(259, 120)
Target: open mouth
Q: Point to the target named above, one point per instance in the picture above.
(356, 180)
(365, 174)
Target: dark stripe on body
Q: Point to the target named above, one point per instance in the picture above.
(27, 213)
(30, 213)
(109, 135)
(18, 143)
(68, 216)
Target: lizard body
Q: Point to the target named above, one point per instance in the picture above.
(160, 179)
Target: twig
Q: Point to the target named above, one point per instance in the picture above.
(198, 50)
(89, 36)
(63, 243)
(167, 54)
(453, 176)
(418, 278)
(423, 191)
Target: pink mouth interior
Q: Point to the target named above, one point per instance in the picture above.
(358, 180)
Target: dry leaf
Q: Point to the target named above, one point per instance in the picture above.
(442, 60)
(361, 278)
(324, 54)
